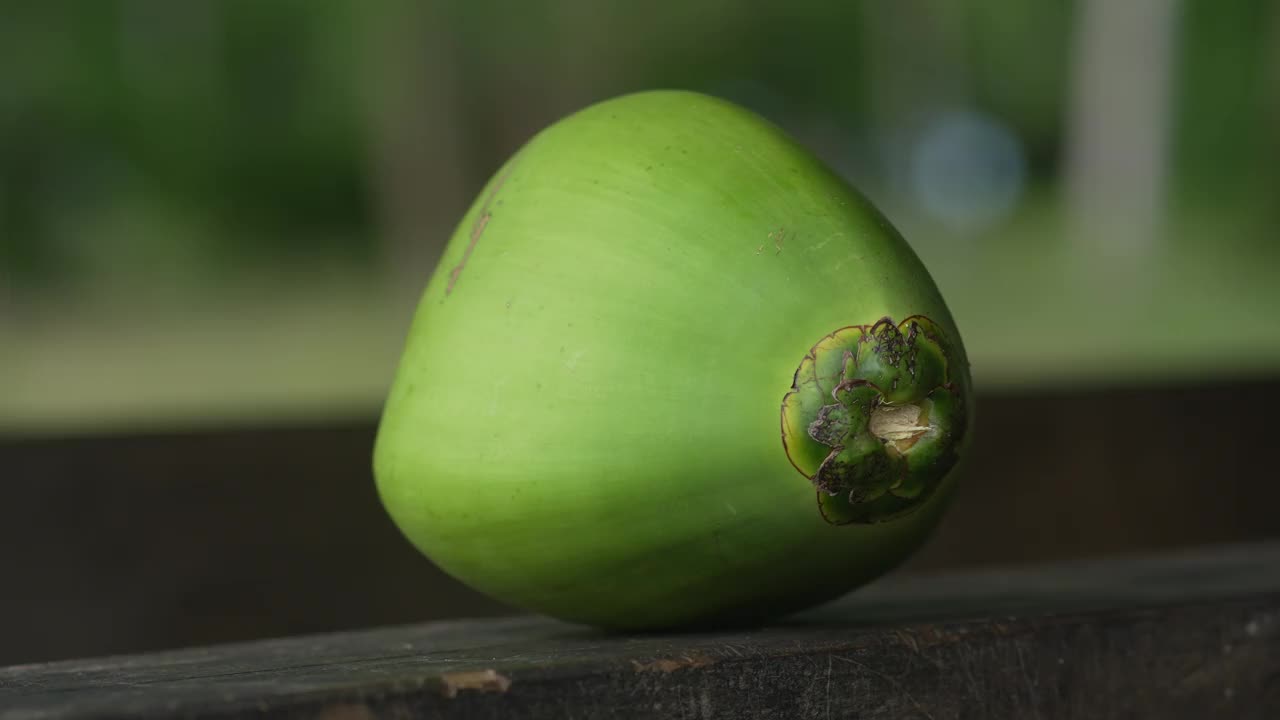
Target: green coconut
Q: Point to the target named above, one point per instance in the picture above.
(672, 371)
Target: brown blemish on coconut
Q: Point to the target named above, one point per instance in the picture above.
(477, 228)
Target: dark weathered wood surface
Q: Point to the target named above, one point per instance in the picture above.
(1193, 635)
(122, 542)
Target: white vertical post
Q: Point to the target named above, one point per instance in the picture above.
(1118, 127)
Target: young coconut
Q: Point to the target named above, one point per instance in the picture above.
(672, 371)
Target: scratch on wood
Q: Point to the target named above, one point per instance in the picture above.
(667, 665)
(908, 639)
(479, 680)
(1028, 680)
(828, 694)
(894, 682)
(477, 228)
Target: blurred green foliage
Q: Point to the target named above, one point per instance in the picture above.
(233, 125)
(237, 128)
(225, 149)
(1227, 108)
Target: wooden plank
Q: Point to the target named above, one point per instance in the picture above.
(124, 543)
(1192, 635)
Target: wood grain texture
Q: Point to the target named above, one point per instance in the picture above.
(1190, 635)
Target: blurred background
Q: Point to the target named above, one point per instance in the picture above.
(216, 217)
